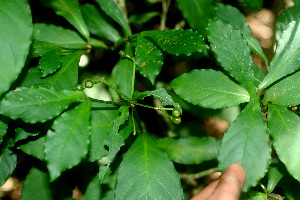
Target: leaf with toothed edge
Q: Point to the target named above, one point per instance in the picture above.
(148, 59)
(68, 141)
(37, 104)
(177, 42)
(8, 163)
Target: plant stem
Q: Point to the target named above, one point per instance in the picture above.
(165, 8)
(199, 174)
(114, 88)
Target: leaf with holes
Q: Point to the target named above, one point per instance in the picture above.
(285, 93)
(142, 177)
(112, 10)
(37, 104)
(148, 59)
(190, 150)
(69, 9)
(246, 142)
(159, 93)
(284, 127)
(232, 52)
(177, 42)
(68, 141)
(287, 56)
(209, 89)
(8, 163)
(15, 40)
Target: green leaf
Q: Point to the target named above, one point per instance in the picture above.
(99, 23)
(177, 42)
(64, 79)
(124, 71)
(232, 15)
(15, 40)
(232, 52)
(284, 127)
(286, 92)
(68, 143)
(159, 93)
(198, 16)
(22, 134)
(209, 89)
(3, 127)
(63, 37)
(35, 147)
(190, 150)
(274, 176)
(8, 163)
(143, 18)
(247, 142)
(288, 15)
(102, 116)
(287, 56)
(148, 59)
(251, 4)
(37, 104)
(93, 190)
(254, 195)
(112, 10)
(69, 9)
(150, 175)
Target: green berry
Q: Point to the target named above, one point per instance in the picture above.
(122, 54)
(176, 112)
(176, 120)
(89, 84)
(78, 87)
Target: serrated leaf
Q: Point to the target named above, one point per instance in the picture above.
(288, 15)
(148, 59)
(102, 116)
(232, 52)
(232, 15)
(284, 127)
(274, 176)
(22, 134)
(15, 40)
(35, 147)
(286, 92)
(247, 142)
(99, 23)
(287, 56)
(69, 9)
(209, 89)
(143, 18)
(68, 143)
(190, 150)
(177, 42)
(142, 177)
(64, 79)
(159, 93)
(37, 104)
(8, 163)
(64, 37)
(199, 15)
(112, 10)
(3, 127)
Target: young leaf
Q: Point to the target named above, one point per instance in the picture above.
(177, 42)
(15, 40)
(274, 176)
(99, 23)
(209, 89)
(37, 104)
(68, 143)
(112, 10)
(159, 93)
(102, 116)
(232, 15)
(286, 92)
(247, 142)
(8, 163)
(148, 59)
(284, 127)
(199, 15)
(287, 56)
(151, 175)
(190, 150)
(64, 37)
(69, 9)
(232, 52)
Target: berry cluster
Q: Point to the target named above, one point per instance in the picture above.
(176, 119)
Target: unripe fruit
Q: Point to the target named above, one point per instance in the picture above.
(176, 120)
(78, 87)
(89, 84)
(176, 112)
